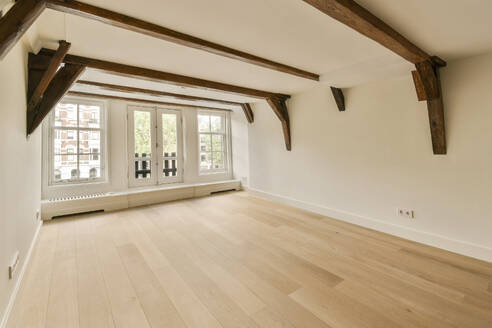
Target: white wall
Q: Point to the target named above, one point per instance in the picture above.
(20, 170)
(118, 158)
(362, 164)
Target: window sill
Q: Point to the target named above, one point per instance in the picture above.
(205, 173)
(77, 184)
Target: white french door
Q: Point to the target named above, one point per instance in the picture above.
(155, 146)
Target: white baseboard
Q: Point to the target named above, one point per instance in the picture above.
(10, 305)
(457, 246)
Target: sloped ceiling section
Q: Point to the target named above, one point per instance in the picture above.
(287, 31)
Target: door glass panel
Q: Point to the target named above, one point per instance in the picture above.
(169, 135)
(142, 134)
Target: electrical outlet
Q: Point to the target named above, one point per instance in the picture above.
(13, 266)
(406, 213)
(38, 214)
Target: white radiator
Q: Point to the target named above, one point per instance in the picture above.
(120, 200)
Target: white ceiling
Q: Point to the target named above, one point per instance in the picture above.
(287, 31)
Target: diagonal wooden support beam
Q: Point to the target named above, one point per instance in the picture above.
(339, 98)
(48, 75)
(248, 112)
(16, 22)
(58, 87)
(136, 25)
(280, 109)
(428, 85)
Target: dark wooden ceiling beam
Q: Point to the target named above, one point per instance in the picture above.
(127, 89)
(360, 19)
(48, 75)
(120, 88)
(339, 98)
(16, 22)
(280, 109)
(154, 75)
(136, 25)
(145, 101)
(248, 112)
(58, 87)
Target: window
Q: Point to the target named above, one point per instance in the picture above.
(213, 141)
(77, 138)
(155, 143)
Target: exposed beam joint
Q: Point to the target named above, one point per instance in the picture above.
(339, 98)
(157, 93)
(16, 22)
(144, 101)
(248, 112)
(48, 75)
(136, 25)
(154, 75)
(58, 87)
(279, 107)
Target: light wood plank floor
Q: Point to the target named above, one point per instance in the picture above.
(234, 260)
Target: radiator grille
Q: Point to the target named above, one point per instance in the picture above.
(78, 197)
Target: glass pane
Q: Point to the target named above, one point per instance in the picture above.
(89, 142)
(205, 161)
(143, 169)
(142, 133)
(65, 141)
(89, 166)
(217, 142)
(66, 115)
(205, 142)
(216, 122)
(170, 167)
(65, 167)
(169, 135)
(204, 123)
(218, 160)
(89, 116)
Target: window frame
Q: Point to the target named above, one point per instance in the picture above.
(226, 146)
(103, 130)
